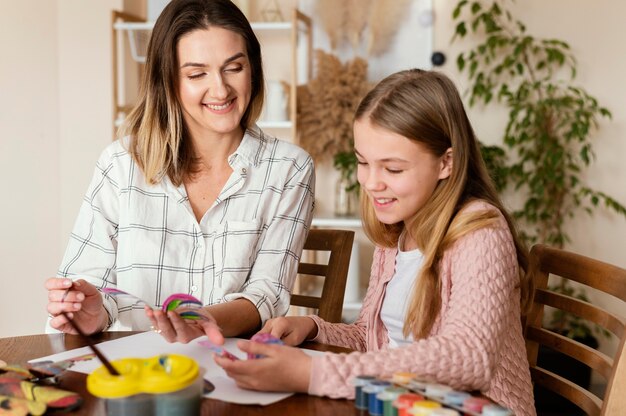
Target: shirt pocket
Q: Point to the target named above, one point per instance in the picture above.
(235, 247)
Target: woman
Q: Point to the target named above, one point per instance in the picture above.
(448, 279)
(196, 199)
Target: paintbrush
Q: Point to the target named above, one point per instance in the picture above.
(93, 347)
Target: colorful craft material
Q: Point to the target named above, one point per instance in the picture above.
(25, 391)
(19, 395)
(223, 352)
(265, 338)
(186, 306)
(410, 396)
(218, 349)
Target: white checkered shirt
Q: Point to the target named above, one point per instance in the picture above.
(145, 240)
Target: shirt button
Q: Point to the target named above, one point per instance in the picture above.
(194, 288)
(243, 171)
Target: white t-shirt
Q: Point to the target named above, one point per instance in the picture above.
(398, 294)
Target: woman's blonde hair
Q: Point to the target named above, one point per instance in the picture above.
(159, 141)
(425, 106)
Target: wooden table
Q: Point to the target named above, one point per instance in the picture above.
(18, 350)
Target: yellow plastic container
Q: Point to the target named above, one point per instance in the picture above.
(162, 385)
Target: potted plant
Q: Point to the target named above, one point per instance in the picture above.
(548, 135)
(347, 191)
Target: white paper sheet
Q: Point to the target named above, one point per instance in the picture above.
(149, 344)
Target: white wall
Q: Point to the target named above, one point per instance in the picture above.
(29, 162)
(55, 117)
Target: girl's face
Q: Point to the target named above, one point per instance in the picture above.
(398, 174)
(214, 80)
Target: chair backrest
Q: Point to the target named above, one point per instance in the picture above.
(339, 244)
(592, 273)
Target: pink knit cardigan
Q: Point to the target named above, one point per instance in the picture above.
(476, 342)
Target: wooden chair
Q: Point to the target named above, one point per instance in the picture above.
(339, 243)
(592, 273)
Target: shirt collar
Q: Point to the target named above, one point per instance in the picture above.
(251, 147)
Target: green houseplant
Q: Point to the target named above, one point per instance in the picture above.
(548, 135)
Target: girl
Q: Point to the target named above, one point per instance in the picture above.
(448, 277)
(197, 199)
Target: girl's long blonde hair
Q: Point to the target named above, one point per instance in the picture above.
(159, 141)
(425, 106)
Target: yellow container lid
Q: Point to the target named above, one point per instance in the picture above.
(155, 375)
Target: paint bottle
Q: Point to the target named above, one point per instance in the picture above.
(406, 401)
(437, 391)
(444, 412)
(456, 398)
(416, 384)
(423, 408)
(496, 410)
(475, 404)
(360, 401)
(402, 378)
(375, 406)
(161, 385)
(388, 396)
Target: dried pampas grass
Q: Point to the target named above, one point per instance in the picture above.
(385, 18)
(327, 103)
(356, 15)
(332, 14)
(349, 19)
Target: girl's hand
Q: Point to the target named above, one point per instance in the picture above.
(80, 300)
(282, 369)
(176, 329)
(292, 330)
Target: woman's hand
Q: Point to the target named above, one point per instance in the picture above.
(176, 329)
(80, 300)
(292, 330)
(282, 369)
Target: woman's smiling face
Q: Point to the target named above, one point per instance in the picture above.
(398, 174)
(214, 80)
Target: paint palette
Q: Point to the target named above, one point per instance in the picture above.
(187, 306)
(408, 395)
